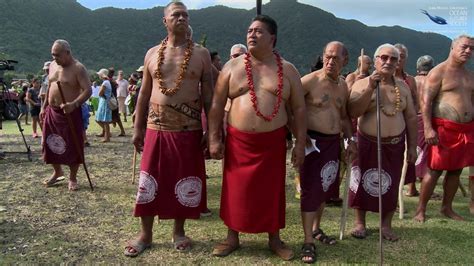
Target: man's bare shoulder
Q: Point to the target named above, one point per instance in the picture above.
(290, 69)
(152, 50)
(360, 84)
(311, 77)
(403, 87)
(79, 66)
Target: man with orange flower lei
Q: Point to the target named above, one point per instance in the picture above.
(397, 119)
(260, 85)
(172, 176)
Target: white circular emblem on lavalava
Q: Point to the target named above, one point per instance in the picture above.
(147, 188)
(188, 191)
(56, 144)
(370, 182)
(328, 174)
(420, 154)
(355, 178)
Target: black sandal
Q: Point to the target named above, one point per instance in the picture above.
(308, 250)
(323, 238)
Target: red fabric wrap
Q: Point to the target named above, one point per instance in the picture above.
(363, 193)
(172, 178)
(253, 189)
(320, 172)
(58, 143)
(455, 149)
(421, 150)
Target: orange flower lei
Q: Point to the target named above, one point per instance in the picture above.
(184, 66)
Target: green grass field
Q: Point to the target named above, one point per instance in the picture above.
(41, 225)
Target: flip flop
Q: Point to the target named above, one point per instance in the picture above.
(182, 243)
(224, 249)
(51, 181)
(135, 248)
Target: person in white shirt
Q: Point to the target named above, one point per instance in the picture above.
(122, 93)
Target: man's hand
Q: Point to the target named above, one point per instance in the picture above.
(351, 151)
(138, 140)
(374, 79)
(216, 150)
(431, 137)
(297, 156)
(411, 155)
(68, 107)
(41, 116)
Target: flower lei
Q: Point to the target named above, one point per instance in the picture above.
(184, 66)
(279, 90)
(397, 103)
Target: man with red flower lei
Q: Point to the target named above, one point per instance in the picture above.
(168, 130)
(262, 87)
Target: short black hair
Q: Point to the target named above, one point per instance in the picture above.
(271, 24)
(111, 72)
(318, 64)
(213, 55)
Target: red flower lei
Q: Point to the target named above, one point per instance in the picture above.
(279, 90)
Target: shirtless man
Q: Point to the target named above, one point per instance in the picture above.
(58, 145)
(423, 65)
(397, 119)
(410, 177)
(448, 111)
(326, 96)
(260, 85)
(363, 68)
(169, 113)
(237, 50)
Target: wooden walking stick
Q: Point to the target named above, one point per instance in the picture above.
(401, 203)
(346, 200)
(134, 164)
(379, 169)
(74, 136)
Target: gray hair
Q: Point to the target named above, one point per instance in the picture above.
(424, 64)
(63, 44)
(238, 45)
(178, 3)
(462, 36)
(386, 45)
(400, 46)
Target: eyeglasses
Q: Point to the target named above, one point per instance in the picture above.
(386, 58)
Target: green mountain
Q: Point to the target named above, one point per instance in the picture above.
(120, 37)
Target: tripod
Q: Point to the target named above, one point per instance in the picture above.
(7, 102)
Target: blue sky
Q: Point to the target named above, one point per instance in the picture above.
(406, 13)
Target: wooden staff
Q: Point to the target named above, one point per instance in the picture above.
(401, 203)
(259, 7)
(74, 136)
(379, 169)
(346, 200)
(134, 164)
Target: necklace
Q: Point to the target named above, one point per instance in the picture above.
(397, 103)
(160, 60)
(279, 90)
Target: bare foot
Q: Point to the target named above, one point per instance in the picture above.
(105, 140)
(359, 231)
(420, 216)
(451, 214)
(389, 235)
